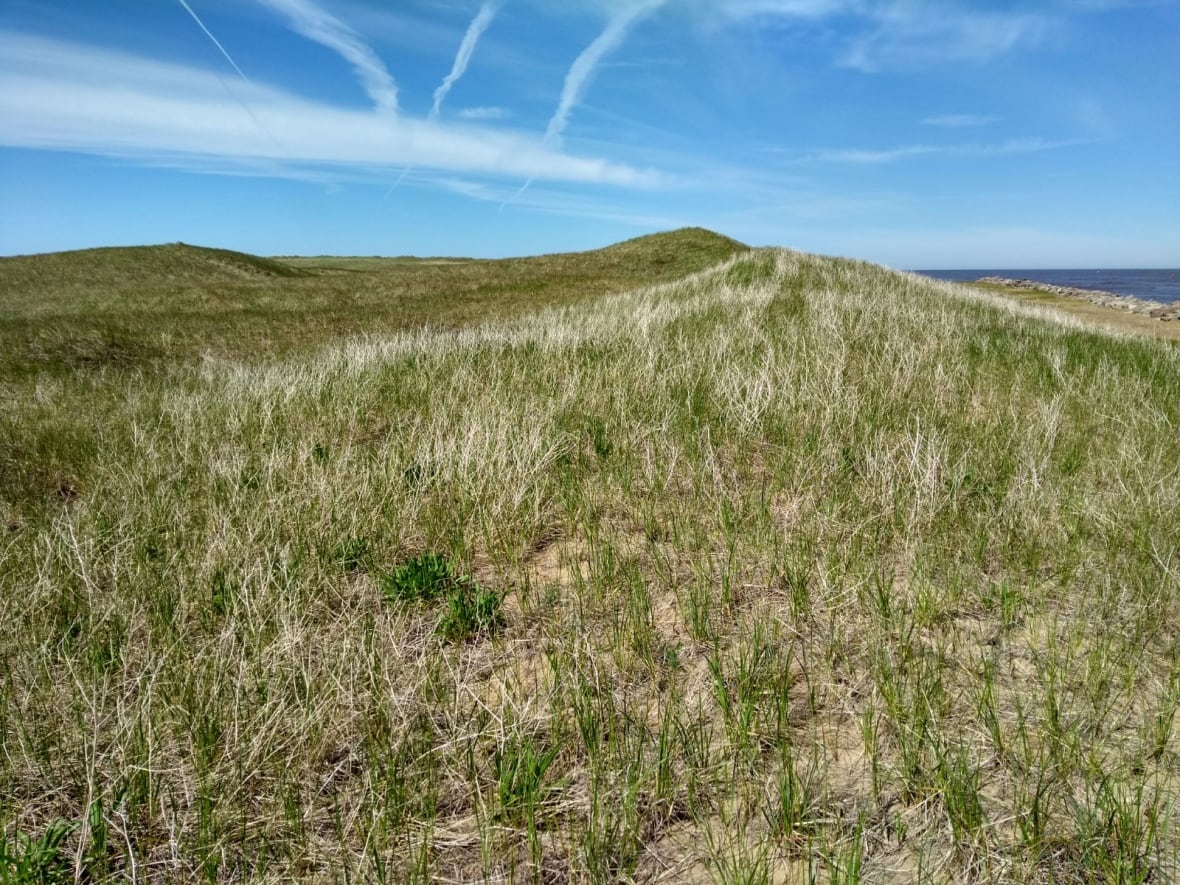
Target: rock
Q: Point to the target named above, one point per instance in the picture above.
(1094, 296)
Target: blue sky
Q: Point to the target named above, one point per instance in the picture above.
(918, 133)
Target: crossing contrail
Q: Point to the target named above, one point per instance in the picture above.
(397, 183)
(585, 64)
(520, 193)
(475, 30)
(578, 76)
(233, 64)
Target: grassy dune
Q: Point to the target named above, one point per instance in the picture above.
(770, 568)
(151, 306)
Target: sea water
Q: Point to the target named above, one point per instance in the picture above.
(1151, 285)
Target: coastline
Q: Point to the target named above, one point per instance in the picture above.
(1116, 312)
(1153, 309)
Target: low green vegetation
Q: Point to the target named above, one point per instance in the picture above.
(689, 563)
(470, 609)
(41, 860)
(147, 308)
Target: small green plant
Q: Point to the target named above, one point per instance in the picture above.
(603, 447)
(354, 555)
(1003, 600)
(1117, 833)
(222, 593)
(250, 478)
(959, 782)
(421, 579)
(43, 861)
(845, 865)
(788, 817)
(611, 844)
(987, 704)
(1159, 729)
(471, 611)
(739, 863)
(96, 861)
(698, 604)
(520, 768)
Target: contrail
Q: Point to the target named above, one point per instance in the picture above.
(586, 63)
(578, 76)
(475, 30)
(324, 28)
(397, 183)
(233, 64)
(520, 193)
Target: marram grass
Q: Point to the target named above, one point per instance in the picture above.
(799, 570)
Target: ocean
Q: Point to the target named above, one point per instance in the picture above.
(1151, 285)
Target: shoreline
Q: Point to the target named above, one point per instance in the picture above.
(1151, 309)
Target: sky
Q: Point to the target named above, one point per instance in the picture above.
(914, 133)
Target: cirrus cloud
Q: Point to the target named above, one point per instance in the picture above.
(320, 26)
(60, 95)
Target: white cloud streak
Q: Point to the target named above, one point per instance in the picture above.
(1029, 145)
(484, 113)
(57, 95)
(958, 121)
(788, 8)
(564, 204)
(233, 64)
(915, 34)
(475, 30)
(308, 20)
(908, 34)
(578, 76)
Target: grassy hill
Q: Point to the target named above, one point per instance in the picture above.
(675, 561)
(145, 307)
(131, 269)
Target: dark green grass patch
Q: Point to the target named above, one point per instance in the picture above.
(470, 610)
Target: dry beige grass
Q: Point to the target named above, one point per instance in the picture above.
(805, 570)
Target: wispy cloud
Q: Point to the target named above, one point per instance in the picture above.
(861, 156)
(484, 113)
(562, 203)
(958, 121)
(911, 34)
(68, 96)
(580, 72)
(738, 9)
(887, 34)
(312, 22)
(1027, 145)
(475, 30)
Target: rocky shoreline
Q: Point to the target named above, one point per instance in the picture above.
(1153, 309)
